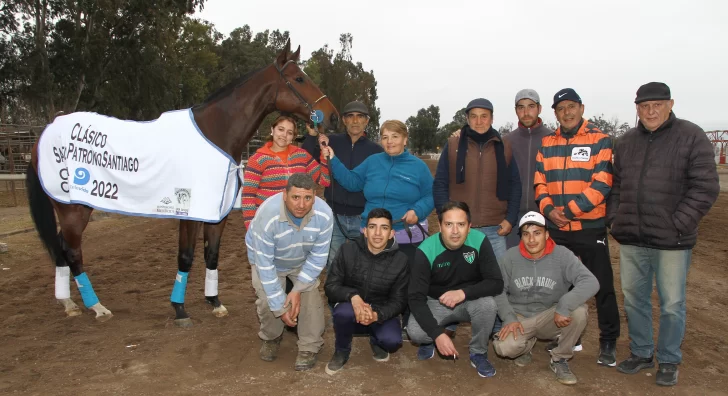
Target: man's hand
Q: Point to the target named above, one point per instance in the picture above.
(561, 321)
(452, 298)
(505, 228)
(456, 134)
(445, 346)
(362, 310)
(286, 318)
(323, 140)
(509, 328)
(557, 216)
(374, 317)
(311, 131)
(294, 300)
(410, 217)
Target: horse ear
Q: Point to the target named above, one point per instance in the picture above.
(296, 55)
(283, 56)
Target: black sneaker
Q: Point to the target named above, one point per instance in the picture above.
(634, 364)
(607, 353)
(379, 353)
(337, 362)
(667, 374)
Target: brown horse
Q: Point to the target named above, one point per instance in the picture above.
(228, 118)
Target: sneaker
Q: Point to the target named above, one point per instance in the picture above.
(426, 351)
(337, 362)
(523, 360)
(563, 372)
(305, 361)
(607, 353)
(667, 374)
(379, 353)
(553, 344)
(634, 363)
(482, 364)
(269, 349)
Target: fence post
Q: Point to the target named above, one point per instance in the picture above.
(12, 172)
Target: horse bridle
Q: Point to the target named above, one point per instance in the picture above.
(295, 92)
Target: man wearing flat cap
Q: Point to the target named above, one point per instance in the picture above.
(352, 148)
(572, 181)
(665, 181)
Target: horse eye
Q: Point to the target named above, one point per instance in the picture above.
(299, 79)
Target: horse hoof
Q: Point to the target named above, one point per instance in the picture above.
(73, 312)
(103, 317)
(184, 322)
(220, 311)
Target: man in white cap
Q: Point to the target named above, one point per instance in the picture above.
(525, 143)
(536, 301)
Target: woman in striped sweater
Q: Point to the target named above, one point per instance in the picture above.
(268, 169)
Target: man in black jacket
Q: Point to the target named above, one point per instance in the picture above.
(368, 283)
(664, 182)
(352, 148)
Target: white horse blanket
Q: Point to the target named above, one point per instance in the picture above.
(161, 168)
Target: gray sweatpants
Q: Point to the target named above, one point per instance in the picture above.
(480, 313)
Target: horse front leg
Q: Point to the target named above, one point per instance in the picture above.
(188, 231)
(73, 219)
(213, 234)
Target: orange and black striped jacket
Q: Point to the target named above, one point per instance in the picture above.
(574, 174)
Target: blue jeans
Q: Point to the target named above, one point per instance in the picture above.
(351, 226)
(387, 335)
(638, 266)
(498, 242)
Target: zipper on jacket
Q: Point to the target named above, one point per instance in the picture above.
(639, 185)
(530, 139)
(480, 172)
(389, 177)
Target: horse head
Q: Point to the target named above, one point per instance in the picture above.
(298, 94)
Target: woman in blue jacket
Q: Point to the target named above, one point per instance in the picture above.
(394, 180)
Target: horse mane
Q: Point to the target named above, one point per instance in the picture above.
(231, 86)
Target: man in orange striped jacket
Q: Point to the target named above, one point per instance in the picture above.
(572, 181)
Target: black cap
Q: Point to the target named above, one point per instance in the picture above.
(479, 103)
(653, 91)
(566, 94)
(355, 107)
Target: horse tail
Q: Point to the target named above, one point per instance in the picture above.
(41, 210)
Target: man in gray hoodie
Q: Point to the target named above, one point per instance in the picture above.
(536, 301)
(525, 142)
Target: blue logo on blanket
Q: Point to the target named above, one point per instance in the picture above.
(81, 176)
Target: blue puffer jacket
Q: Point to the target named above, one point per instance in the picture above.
(396, 183)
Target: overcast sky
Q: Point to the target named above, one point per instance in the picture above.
(449, 52)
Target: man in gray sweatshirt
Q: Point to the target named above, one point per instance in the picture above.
(536, 301)
(525, 142)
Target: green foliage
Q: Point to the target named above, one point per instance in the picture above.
(423, 130)
(135, 59)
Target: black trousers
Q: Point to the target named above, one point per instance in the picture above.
(591, 246)
(409, 250)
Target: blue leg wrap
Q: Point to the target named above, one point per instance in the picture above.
(87, 291)
(180, 285)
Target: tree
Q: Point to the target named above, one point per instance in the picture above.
(458, 121)
(611, 127)
(344, 81)
(423, 130)
(552, 125)
(506, 129)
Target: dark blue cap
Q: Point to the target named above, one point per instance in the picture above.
(566, 94)
(479, 103)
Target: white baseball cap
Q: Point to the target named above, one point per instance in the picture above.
(532, 218)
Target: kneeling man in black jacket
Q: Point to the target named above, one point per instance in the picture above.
(368, 283)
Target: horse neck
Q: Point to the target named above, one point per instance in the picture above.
(231, 121)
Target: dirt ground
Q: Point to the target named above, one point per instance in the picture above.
(132, 264)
